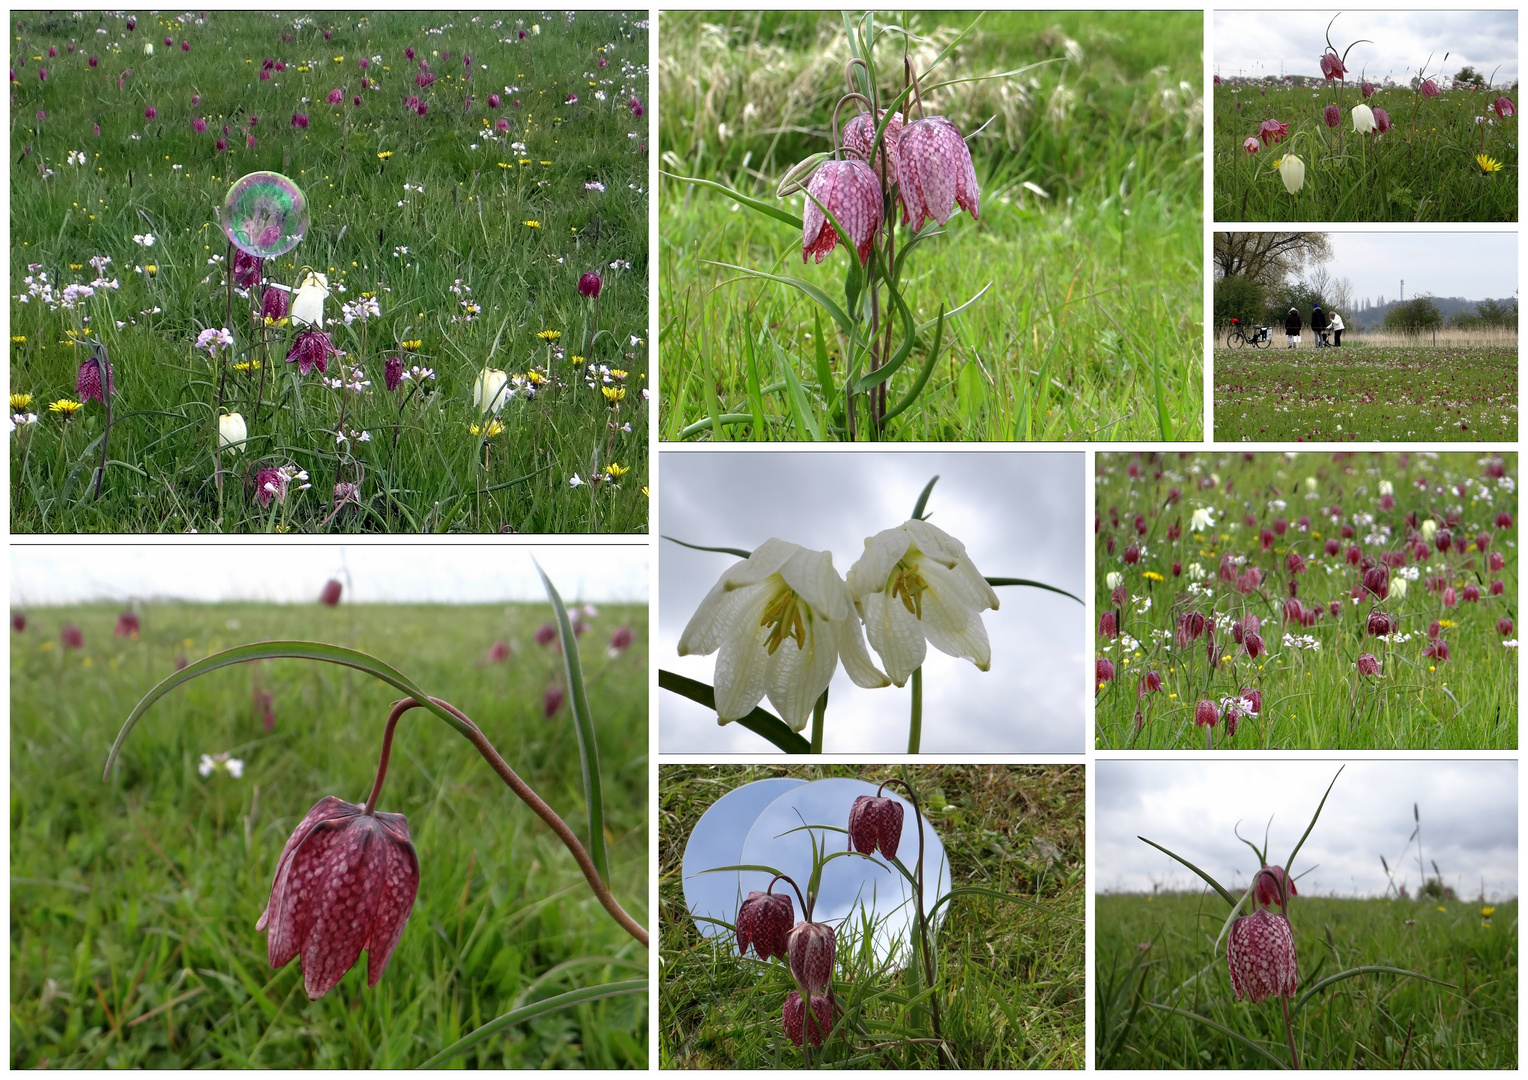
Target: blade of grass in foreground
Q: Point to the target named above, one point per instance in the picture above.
(530, 1012)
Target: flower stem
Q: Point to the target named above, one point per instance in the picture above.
(819, 712)
(536, 803)
(1289, 1033)
(923, 928)
(915, 724)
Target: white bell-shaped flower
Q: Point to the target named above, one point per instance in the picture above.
(308, 304)
(1363, 119)
(781, 619)
(490, 390)
(915, 586)
(1292, 172)
(232, 432)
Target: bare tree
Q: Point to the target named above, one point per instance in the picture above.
(1268, 257)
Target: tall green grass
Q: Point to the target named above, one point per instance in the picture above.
(1423, 169)
(1156, 951)
(133, 904)
(1011, 977)
(428, 212)
(1088, 237)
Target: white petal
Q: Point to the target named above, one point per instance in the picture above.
(953, 624)
(798, 676)
(856, 658)
(722, 615)
(895, 634)
(870, 573)
(811, 574)
(766, 560)
(744, 666)
(934, 541)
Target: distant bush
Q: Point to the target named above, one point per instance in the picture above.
(1414, 316)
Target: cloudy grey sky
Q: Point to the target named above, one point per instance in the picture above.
(291, 573)
(1475, 266)
(1468, 810)
(1258, 43)
(1019, 515)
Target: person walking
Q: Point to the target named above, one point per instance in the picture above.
(1292, 327)
(1318, 325)
(1335, 325)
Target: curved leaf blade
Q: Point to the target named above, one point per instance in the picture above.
(753, 204)
(1311, 991)
(1238, 1036)
(996, 581)
(761, 723)
(1209, 880)
(530, 1012)
(739, 552)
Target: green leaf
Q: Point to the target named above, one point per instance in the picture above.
(739, 552)
(709, 423)
(588, 747)
(997, 581)
(1211, 881)
(974, 890)
(530, 1012)
(761, 723)
(840, 316)
(280, 650)
(754, 204)
(740, 868)
(928, 369)
(928, 489)
(970, 391)
(1289, 864)
(825, 381)
(801, 408)
(1238, 1036)
(1311, 991)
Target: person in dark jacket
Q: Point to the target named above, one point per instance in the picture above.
(1292, 326)
(1318, 325)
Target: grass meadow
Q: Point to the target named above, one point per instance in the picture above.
(1089, 231)
(1012, 977)
(1196, 554)
(133, 903)
(1367, 392)
(466, 208)
(1425, 168)
(1154, 950)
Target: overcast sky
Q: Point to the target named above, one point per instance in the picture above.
(1259, 43)
(1475, 266)
(288, 573)
(1468, 811)
(1019, 515)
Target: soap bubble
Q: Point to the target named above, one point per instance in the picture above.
(265, 214)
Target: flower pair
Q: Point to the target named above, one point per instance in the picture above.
(764, 922)
(783, 618)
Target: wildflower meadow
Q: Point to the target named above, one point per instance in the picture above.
(1436, 146)
(137, 934)
(937, 226)
(332, 272)
(1306, 601)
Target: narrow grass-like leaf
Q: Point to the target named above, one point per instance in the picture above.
(976, 890)
(1209, 880)
(761, 723)
(583, 721)
(530, 1012)
(739, 552)
(278, 650)
(753, 204)
(997, 581)
(1367, 969)
(840, 316)
(928, 369)
(1289, 864)
(922, 503)
(1238, 1036)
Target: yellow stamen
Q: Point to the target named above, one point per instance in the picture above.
(784, 614)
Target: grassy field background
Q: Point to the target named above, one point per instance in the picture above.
(1363, 392)
(1157, 949)
(472, 240)
(1091, 176)
(1423, 169)
(1012, 976)
(133, 903)
(1312, 698)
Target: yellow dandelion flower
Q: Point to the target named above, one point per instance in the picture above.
(546, 163)
(1152, 575)
(20, 401)
(617, 373)
(531, 224)
(524, 160)
(1488, 165)
(66, 408)
(505, 165)
(384, 155)
(488, 430)
(644, 492)
(613, 394)
(247, 365)
(575, 359)
(618, 471)
(535, 377)
(275, 322)
(1488, 911)
(17, 339)
(76, 266)
(549, 335)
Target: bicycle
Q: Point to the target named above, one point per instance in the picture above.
(1261, 336)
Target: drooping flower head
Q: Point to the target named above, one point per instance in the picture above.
(795, 1022)
(1504, 107)
(1206, 714)
(853, 194)
(274, 304)
(392, 372)
(1363, 119)
(1292, 172)
(1367, 88)
(1252, 146)
(546, 633)
(552, 700)
(87, 381)
(246, 269)
(71, 637)
(875, 822)
(1368, 664)
(589, 286)
(1331, 65)
(1103, 671)
(809, 948)
(1272, 132)
(782, 619)
(232, 432)
(859, 135)
(346, 881)
(620, 640)
(308, 304)
(915, 585)
(1332, 115)
(311, 349)
(764, 922)
(935, 172)
(490, 391)
(1260, 952)
(127, 626)
(1269, 881)
(329, 596)
(1429, 89)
